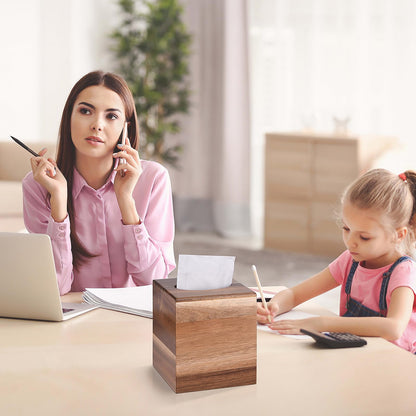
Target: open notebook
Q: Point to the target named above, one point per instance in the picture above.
(28, 285)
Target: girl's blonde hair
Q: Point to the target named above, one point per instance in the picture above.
(393, 196)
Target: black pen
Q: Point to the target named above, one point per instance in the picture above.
(25, 147)
(33, 153)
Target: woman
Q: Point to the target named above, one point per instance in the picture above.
(111, 224)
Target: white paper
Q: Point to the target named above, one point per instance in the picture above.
(137, 300)
(204, 272)
(293, 314)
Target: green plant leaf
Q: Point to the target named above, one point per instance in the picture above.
(152, 47)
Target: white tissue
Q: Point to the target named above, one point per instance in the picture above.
(204, 272)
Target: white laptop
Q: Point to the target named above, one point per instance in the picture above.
(28, 285)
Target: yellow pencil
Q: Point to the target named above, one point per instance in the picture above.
(263, 300)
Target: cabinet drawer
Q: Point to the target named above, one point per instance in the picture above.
(288, 166)
(326, 233)
(286, 225)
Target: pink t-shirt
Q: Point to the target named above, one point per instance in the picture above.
(127, 255)
(366, 287)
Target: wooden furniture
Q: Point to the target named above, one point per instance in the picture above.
(305, 175)
(204, 339)
(100, 363)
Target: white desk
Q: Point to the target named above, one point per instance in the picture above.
(101, 364)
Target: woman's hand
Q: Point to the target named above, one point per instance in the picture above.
(128, 172)
(46, 172)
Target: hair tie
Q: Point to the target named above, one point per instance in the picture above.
(402, 176)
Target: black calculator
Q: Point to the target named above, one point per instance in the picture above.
(336, 339)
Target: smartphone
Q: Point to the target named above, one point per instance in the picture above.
(122, 140)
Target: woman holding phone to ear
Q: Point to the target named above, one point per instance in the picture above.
(111, 224)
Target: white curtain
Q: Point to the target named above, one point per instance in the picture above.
(313, 60)
(212, 189)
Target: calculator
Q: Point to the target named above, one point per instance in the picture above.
(335, 339)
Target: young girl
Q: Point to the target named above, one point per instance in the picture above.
(377, 275)
(109, 214)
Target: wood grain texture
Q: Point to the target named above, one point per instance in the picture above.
(305, 175)
(164, 315)
(235, 290)
(207, 340)
(164, 362)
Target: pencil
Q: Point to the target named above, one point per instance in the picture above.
(263, 300)
(24, 146)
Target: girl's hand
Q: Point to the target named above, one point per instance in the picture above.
(293, 326)
(46, 172)
(129, 172)
(266, 316)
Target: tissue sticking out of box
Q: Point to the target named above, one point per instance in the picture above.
(204, 272)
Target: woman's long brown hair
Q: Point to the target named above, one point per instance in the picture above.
(66, 150)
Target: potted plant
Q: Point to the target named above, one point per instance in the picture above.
(152, 46)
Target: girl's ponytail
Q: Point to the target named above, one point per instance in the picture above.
(410, 178)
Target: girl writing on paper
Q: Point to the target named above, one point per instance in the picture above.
(376, 272)
(109, 214)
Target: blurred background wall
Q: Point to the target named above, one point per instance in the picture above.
(257, 66)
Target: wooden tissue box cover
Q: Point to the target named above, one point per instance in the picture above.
(204, 339)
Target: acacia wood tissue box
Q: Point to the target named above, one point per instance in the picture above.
(204, 339)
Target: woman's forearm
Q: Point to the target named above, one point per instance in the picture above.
(128, 211)
(59, 206)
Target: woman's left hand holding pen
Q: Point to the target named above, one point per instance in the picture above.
(46, 173)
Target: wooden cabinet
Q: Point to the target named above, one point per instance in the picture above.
(305, 176)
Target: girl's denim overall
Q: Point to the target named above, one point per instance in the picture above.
(355, 308)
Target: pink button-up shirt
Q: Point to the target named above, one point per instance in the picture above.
(127, 255)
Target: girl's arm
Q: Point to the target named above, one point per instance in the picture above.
(287, 299)
(390, 327)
